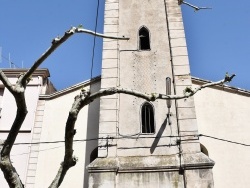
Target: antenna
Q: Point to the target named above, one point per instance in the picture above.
(9, 60)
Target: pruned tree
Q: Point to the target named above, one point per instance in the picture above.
(81, 100)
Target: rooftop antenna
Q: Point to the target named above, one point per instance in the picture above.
(22, 64)
(9, 60)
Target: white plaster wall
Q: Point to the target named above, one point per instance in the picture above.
(53, 129)
(19, 153)
(19, 156)
(225, 115)
(8, 112)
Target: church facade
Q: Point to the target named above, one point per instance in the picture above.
(124, 140)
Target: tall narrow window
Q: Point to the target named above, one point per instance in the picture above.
(144, 40)
(147, 118)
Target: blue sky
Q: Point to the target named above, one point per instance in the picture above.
(218, 40)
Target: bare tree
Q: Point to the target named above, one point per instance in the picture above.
(81, 100)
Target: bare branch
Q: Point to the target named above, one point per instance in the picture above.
(69, 159)
(154, 96)
(6, 166)
(17, 91)
(58, 41)
(81, 30)
(85, 98)
(196, 8)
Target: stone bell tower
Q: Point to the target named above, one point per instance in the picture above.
(147, 144)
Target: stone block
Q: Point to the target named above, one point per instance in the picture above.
(109, 63)
(181, 60)
(33, 160)
(34, 154)
(37, 130)
(111, 14)
(173, 10)
(39, 112)
(110, 28)
(113, 45)
(184, 103)
(171, 3)
(30, 180)
(102, 180)
(176, 25)
(36, 136)
(32, 166)
(110, 73)
(108, 115)
(190, 146)
(107, 127)
(39, 118)
(183, 80)
(178, 42)
(179, 51)
(111, 6)
(175, 18)
(188, 125)
(109, 82)
(175, 33)
(109, 54)
(186, 113)
(31, 173)
(181, 70)
(108, 104)
(34, 148)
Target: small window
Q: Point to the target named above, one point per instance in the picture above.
(147, 118)
(144, 40)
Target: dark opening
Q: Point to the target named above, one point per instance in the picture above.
(147, 118)
(144, 42)
(204, 149)
(94, 154)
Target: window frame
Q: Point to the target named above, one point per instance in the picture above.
(141, 122)
(139, 38)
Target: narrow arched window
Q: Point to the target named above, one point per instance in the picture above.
(144, 40)
(147, 118)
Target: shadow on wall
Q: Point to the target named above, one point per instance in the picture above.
(158, 136)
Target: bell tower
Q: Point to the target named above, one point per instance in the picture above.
(147, 144)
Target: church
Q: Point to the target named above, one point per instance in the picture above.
(123, 140)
